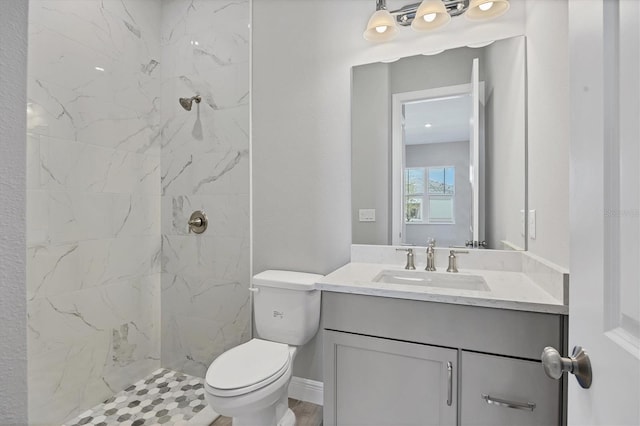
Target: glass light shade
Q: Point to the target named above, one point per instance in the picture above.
(431, 14)
(381, 27)
(479, 9)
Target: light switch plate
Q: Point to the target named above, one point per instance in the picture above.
(532, 224)
(367, 215)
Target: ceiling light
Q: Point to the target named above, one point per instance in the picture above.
(428, 125)
(486, 9)
(431, 14)
(381, 26)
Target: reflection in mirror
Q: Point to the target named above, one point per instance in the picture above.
(438, 148)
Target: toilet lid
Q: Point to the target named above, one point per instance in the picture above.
(257, 362)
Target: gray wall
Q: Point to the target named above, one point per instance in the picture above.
(548, 139)
(13, 100)
(371, 152)
(444, 154)
(505, 102)
(301, 126)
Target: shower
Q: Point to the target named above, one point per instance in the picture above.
(188, 102)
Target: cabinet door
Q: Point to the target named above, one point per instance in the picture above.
(372, 381)
(498, 391)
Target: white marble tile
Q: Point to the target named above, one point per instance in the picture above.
(80, 166)
(221, 258)
(228, 214)
(53, 269)
(107, 261)
(75, 216)
(136, 215)
(87, 75)
(37, 217)
(190, 343)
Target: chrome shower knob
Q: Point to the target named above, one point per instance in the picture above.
(198, 222)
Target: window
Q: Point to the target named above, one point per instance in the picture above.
(429, 193)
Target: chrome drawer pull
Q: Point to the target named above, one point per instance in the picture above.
(529, 406)
(450, 377)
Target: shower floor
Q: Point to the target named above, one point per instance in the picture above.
(164, 397)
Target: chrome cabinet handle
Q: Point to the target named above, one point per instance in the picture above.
(450, 377)
(528, 406)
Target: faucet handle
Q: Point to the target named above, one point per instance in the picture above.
(431, 242)
(410, 263)
(453, 267)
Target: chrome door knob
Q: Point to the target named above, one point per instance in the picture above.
(578, 364)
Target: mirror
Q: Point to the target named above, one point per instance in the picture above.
(438, 148)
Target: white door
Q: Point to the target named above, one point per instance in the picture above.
(604, 46)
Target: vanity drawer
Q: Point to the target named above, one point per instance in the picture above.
(497, 390)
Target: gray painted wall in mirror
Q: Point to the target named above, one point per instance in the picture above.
(502, 69)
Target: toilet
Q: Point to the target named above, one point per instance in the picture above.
(250, 382)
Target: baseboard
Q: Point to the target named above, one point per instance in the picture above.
(306, 390)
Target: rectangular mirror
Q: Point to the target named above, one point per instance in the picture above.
(439, 148)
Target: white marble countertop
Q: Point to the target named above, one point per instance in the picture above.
(507, 289)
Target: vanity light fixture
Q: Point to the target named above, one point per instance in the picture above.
(429, 15)
(486, 9)
(381, 25)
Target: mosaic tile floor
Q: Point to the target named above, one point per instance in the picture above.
(165, 397)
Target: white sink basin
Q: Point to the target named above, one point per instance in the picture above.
(433, 279)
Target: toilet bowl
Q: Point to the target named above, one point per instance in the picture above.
(250, 382)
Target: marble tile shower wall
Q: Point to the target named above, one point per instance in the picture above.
(205, 165)
(94, 239)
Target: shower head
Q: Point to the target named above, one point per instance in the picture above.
(186, 103)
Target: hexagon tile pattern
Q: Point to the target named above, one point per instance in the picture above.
(165, 397)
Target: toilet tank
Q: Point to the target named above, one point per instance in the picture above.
(286, 306)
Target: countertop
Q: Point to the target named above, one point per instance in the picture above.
(507, 289)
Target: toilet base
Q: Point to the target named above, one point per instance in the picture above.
(289, 419)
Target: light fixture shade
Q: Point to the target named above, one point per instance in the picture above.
(381, 26)
(486, 9)
(436, 16)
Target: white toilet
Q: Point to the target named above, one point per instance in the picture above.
(250, 382)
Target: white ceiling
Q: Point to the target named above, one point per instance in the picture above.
(449, 118)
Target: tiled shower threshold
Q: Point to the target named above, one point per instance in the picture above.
(164, 397)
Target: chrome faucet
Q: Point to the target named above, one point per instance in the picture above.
(431, 255)
(453, 267)
(410, 263)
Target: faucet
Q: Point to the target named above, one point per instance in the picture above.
(410, 264)
(453, 267)
(431, 255)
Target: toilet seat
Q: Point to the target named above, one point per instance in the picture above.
(247, 367)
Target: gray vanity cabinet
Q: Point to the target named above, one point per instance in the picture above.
(377, 381)
(393, 361)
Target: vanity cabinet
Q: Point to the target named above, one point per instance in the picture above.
(387, 382)
(388, 361)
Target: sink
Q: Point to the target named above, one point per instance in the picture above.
(433, 279)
